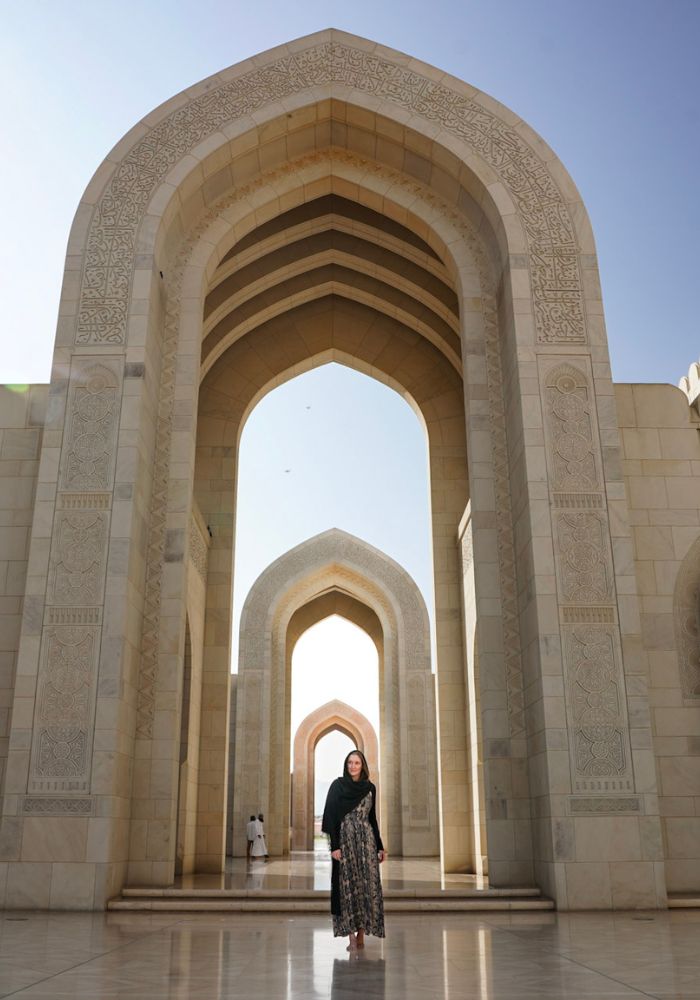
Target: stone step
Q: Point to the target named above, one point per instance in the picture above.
(172, 892)
(684, 900)
(317, 901)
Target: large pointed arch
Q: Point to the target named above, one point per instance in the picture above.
(498, 249)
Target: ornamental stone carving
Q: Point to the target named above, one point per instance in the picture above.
(595, 698)
(77, 570)
(199, 549)
(554, 264)
(585, 566)
(37, 805)
(92, 420)
(65, 711)
(568, 423)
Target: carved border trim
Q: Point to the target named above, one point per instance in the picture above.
(554, 257)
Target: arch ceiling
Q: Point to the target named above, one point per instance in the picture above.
(338, 247)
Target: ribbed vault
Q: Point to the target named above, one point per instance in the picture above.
(331, 246)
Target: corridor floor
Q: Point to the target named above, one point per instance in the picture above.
(587, 956)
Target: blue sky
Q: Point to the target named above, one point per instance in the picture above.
(612, 85)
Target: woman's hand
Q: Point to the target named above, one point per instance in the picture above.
(382, 856)
(336, 855)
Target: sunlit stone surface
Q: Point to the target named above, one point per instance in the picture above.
(332, 200)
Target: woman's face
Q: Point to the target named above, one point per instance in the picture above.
(355, 766)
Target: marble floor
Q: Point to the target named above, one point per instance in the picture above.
(586, 956)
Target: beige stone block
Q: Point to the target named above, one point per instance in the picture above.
(640, 443)
(653, 542)
(682, 875)
(679, 721)
(72, 886)
(683, 492)
(679, 443)
(28, 886)
(607, 838)
(633, 886)
(53, 838)
(588, 886)
(682, 836)
(647, 491)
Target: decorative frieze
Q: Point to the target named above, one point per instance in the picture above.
(587, 616)
(605, 806)
(84, 501)
(73, 616)
(578, 501)
(39, 805)
(111, 243)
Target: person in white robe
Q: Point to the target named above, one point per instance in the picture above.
(250, 836)
(259, 848)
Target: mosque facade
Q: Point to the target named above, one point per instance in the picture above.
(333, 200)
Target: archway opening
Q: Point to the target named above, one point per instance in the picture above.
(331, 447)
(334, 659)
(329, 751)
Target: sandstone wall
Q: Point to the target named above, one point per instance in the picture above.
(22, 412)
(661, 465)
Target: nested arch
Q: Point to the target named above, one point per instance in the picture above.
(334, 716)
(287, 597)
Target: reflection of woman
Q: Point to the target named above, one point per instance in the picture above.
(350, 821)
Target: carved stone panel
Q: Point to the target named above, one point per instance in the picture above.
(78, 560)
(584, 561)
(572, 452)
(92, 420)
(65, 711)
(601, 759)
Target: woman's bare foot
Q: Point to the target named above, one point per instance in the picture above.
(360, 939)
(353, 943)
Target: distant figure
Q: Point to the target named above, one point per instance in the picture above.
(250, 836)
(259, 848)
(357, 850)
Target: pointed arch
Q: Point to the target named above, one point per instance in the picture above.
(478, 231)
(289, 596)
(334, 715)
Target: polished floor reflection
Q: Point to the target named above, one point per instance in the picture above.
(311, 870)
(587, 956)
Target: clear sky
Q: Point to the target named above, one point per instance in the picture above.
(612, 85)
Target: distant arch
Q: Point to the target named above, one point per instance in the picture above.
(335, 715)
(335, 572)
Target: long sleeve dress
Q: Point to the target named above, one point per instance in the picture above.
(357, 902)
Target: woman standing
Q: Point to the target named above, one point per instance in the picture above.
(350, 820)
